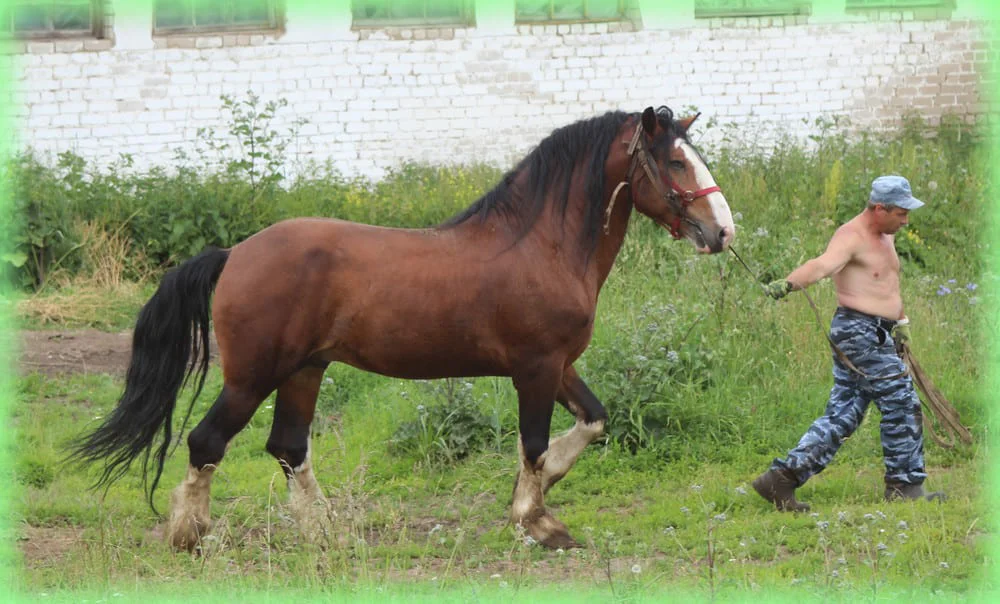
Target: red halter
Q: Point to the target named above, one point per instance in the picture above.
(679, 199)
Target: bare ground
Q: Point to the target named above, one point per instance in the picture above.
(75, 351)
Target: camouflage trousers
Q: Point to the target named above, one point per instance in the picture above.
(867, 342)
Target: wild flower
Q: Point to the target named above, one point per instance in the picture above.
(971, 287)
(823, 525)
(529, 540)
(760, 232)
(880, 514)
(741, 491)
(944, 565)
(902, 525)
(673, 356)
(943, 290)
(841, 516)
(685, 510)
(636, 569)
(696, 488)
(881, 547)
(952, 281)
(719, 518)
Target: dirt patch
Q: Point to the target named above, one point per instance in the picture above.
(45, 545)
(75, 351)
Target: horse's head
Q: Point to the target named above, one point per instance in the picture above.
(671, 184)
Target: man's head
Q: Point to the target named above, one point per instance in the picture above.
(891, 201)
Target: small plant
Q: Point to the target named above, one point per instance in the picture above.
(448, 431)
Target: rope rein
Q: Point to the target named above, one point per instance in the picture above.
(943, 412)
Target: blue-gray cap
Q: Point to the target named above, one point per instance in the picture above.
(894, 191)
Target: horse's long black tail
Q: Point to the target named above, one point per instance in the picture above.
(169, 345)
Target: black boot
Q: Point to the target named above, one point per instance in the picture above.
(905, 491)
(778, 487)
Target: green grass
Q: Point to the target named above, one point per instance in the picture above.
(678, 516)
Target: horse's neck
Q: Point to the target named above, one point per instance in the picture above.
(610, 240)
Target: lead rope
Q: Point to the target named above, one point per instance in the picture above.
(940, 408)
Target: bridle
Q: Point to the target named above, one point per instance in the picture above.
(677, 199)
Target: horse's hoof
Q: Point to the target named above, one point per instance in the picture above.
(186, 536)
(560, 540)
(550, 532)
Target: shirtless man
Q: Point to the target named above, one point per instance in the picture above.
(867, 326)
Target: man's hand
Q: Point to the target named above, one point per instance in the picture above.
(778, 289)
(901, 334)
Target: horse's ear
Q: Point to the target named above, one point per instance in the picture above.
(686, 122)
(649, 121)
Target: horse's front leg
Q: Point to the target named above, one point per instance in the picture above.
(590, 419)
(536, 392)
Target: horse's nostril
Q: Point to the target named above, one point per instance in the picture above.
(723, 234)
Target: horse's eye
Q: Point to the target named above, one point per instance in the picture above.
(676, 165)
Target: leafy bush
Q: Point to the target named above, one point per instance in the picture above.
(642, 367)
(448, 430)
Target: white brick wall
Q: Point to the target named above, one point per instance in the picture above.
(488, 93)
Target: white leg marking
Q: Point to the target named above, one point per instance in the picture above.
(189, 509)
(564, 451)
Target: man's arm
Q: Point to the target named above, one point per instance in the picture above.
(839, 252)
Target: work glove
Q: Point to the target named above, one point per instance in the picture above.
(778, 289)
(901, 334)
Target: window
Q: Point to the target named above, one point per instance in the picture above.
(533, 11)
(897, 4)
(750, 8)
(411, 12)
(50, 19)
(213, 15)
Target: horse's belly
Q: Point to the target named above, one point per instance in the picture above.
(420, 358)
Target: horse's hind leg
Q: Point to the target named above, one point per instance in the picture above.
(536, 391)
(289, 440)
(590, 418)
(189, 509)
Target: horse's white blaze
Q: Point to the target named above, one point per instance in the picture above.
(703, 180)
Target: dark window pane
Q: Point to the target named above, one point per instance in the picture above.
(68, 17)
(251, 11)
(209, 13)
(369, 9)
(533, 10)
(603, 9)
(29, 17)
(444, 8)
(173, 13)
(567, 9)
(406, 9)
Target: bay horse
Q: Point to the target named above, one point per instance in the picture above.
(507, 287)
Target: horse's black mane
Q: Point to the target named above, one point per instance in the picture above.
(549, 168)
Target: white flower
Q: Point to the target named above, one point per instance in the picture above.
(741, 491)
(636, 569)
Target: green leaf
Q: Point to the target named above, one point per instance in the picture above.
(16, 259)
